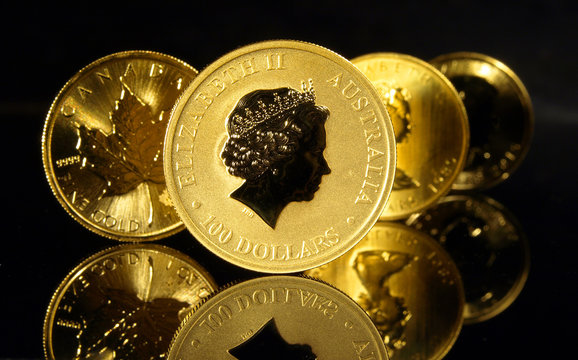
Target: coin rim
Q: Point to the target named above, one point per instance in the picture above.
(81, 267)
(176, 113)
(217, 295)
(525, 101)
(465, 131)
(46, 144)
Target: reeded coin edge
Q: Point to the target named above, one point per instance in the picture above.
(178, 109)
(371, 327)
(526, 103)
(466, 130)
(60, 290)
(47, 155)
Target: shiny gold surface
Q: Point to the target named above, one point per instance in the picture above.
(431, 129)
(489, 247)
(409, 286)
(103, 139)
(278, 317)
(123, 303)
(289, 205)
(500, 115)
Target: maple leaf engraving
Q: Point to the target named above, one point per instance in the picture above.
(132, 153)
(122, 326)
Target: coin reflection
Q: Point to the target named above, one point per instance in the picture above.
(408, 285)
(489, 247)
(124, 303)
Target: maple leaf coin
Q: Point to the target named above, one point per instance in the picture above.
(125, 301)
(103, 140)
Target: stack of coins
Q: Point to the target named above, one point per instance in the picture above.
(282, 157)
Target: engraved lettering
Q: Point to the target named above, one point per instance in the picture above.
(69, 324)
(360, 347)
(205, 99)
(249, 68)
(129, 70)
(71, 160)
(232, 74)
(105, 75)
(156, 70)
(113, 222)
(186, 180)
(275, 61)
(219, 85)
(217, 230)
(83, 92)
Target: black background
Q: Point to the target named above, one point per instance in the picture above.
(44, 45)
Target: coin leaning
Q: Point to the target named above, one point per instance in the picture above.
(488, 245)
(278, 317)
(408, 284)
(102, 144)
(500, 114)
(431, 129)
(279, 156)
(124, 302)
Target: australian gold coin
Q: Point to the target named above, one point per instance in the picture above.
(500, 115)
(408, 285)
(431, 129)
(124, 303)
(278, 317)
(103, 139)
(489, 247)
(279, 156)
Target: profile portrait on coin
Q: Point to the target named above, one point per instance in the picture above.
(276, 143)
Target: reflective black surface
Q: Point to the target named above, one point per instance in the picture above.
(45, 44)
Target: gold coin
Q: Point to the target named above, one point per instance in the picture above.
(500, 115)
(431, 129)
(489, 247)
(278, 317)
(102, 144)
(409, 286)
(124, 303)
(279, 156)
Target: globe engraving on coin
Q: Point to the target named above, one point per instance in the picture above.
(279, 156)
(407, 284)
(124, 302)
(500, 115)
(278, 317)
(103, 140)
(488, 245)
(431, 129)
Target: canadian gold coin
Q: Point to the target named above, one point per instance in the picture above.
(102, 144)
(278, 317)
(124, 303)
(408, 284)
(500, 115)
(489, 247)
(431, 129)
(279, 156)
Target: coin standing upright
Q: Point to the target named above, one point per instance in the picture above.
(103, 139)
(431, 129)
(500, 114)
(279, 156)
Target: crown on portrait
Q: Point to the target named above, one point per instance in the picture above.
(247, 119)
